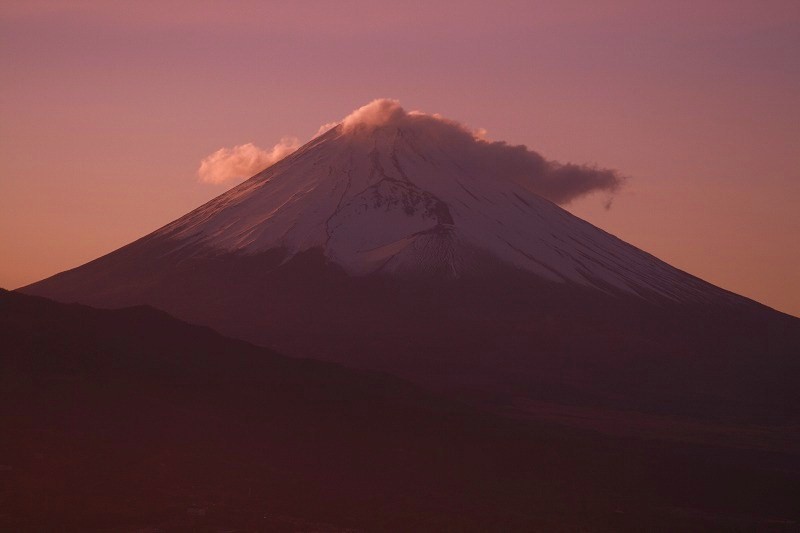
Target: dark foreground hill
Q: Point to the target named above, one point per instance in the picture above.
(130, 420)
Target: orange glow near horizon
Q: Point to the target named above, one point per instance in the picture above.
(107, 112)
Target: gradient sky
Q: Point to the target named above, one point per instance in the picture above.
(107, 109)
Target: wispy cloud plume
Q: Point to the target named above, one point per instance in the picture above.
(558, 182)
(240, 162)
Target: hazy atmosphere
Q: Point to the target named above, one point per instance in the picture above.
(399, 266)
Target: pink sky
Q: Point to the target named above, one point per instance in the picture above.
(106, 111)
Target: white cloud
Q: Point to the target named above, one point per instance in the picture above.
(243, 161)
(558, 182)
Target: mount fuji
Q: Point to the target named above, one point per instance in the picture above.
(403, 242)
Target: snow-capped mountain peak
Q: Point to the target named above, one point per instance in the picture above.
(409, 194)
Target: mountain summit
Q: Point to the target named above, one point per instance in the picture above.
(405, 242)
(411, 194)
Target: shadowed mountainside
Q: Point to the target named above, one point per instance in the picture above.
(504, 334)
(405, 244)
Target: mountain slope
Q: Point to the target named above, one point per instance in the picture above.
(406, 244)
(393, 200)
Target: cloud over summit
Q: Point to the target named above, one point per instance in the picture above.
(381, 112)
(558, 182)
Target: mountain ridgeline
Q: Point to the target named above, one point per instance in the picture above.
(388, 247)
